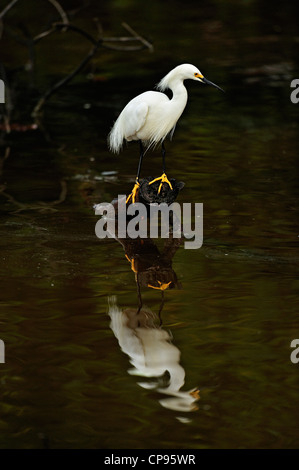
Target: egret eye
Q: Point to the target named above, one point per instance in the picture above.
(198, 75)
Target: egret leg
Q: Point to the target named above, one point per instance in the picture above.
(137, 184)
(163, 157)
(140, 159)
(162, 178)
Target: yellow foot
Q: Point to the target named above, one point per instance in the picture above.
(161, 286)
(163, 179)
(134, 192)
(133, 264)
(195, 394)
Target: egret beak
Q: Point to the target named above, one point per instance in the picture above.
(207, 82)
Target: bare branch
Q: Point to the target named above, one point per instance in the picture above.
(95, 41)
(64, 18)
(75, 11)
(137, 36)
(99, 28)
(42, 35)
(64, 26)
(122, 48)
(63, 193)
(2, 160)
(60, 10)
(7, 8)
(64, 81)
(119, 39)
(39, 206)
(102, 40)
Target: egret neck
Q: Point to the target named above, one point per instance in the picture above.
(180, 96)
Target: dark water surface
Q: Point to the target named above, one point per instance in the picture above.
(85, 367)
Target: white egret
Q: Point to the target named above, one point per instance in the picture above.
(151, 116)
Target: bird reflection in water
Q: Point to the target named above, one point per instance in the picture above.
(139, 330)
(152, 355)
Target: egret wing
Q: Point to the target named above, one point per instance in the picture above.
(135, 117)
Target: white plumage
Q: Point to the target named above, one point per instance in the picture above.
(151, 116)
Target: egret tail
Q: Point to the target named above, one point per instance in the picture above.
(116, 137)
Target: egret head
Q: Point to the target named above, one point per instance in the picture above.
(197, 75)
(184, 72)
(201, 78)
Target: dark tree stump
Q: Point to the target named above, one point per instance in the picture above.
(148, 193)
